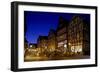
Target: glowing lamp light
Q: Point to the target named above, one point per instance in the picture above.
(69, 44)
(30, 45)
(65, 45)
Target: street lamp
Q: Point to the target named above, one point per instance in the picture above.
(31, 46)
(65, 45)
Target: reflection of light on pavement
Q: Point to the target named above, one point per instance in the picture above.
(28, 58)
(35, 58)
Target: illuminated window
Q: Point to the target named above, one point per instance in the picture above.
(76, 48)
(60, 44)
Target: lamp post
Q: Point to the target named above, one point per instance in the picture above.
(65, 48)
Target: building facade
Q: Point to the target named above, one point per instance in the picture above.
(42, 43)
(78, 36)
(62, 34)
(52, 42)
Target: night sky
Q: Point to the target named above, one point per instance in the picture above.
(39, 23)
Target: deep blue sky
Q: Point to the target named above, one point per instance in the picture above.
(39, 23)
